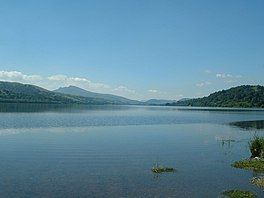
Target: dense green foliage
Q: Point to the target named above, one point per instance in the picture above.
(238, 194)
(11, 92)
(243, 96)
(256, 147)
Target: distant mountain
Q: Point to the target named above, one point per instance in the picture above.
(243, 96)
(158, 102)
(183, 99)
(13, 92)
(76, 91)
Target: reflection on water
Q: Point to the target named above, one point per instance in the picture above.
(71, 108)
(38, 107)
(227, 143)
(256, 124)
(44, 115)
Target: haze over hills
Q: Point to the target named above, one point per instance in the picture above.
(76, 91)
(14, 92)
(25, 93)
(242, 96)
(158, 102)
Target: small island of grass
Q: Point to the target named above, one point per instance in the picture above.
(256, 161)
(161, 169)
(238, 194)
(254, 164)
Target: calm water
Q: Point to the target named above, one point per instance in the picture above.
(108, 151)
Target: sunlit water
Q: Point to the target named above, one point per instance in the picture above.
(108, 151)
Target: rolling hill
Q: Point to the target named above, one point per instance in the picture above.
(12, 92)
(245, 96)
(76, 91)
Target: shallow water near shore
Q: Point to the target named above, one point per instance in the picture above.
(108, 151)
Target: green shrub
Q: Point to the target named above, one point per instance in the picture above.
(257, 147)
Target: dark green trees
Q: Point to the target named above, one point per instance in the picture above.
(245, 96)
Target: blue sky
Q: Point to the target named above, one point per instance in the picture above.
(136, 48)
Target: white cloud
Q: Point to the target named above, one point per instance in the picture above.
(153, 91)
(18, 76)
(203, 84)
(228, 78)
(76, 81)
(224, 76)
(60, 80)
(124, 89)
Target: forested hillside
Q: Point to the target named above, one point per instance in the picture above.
(243, 96)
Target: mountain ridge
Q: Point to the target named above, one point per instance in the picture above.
(77, 91)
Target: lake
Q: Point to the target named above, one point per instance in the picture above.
(108, 151)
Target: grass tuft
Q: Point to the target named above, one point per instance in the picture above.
(239, 194)
(258, 181)
(161, 169)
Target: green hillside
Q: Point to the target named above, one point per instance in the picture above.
(245, 96)
(23, 93)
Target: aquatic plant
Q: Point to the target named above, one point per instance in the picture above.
(256, 147)
(258, 181)
(238, 194)
(256, 161)
(161, 169)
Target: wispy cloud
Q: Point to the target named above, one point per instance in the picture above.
(124, 89)
(224, 76)
(153, 91)
(203, 84)
(228, 78)
(83, 82)
(60, 80)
